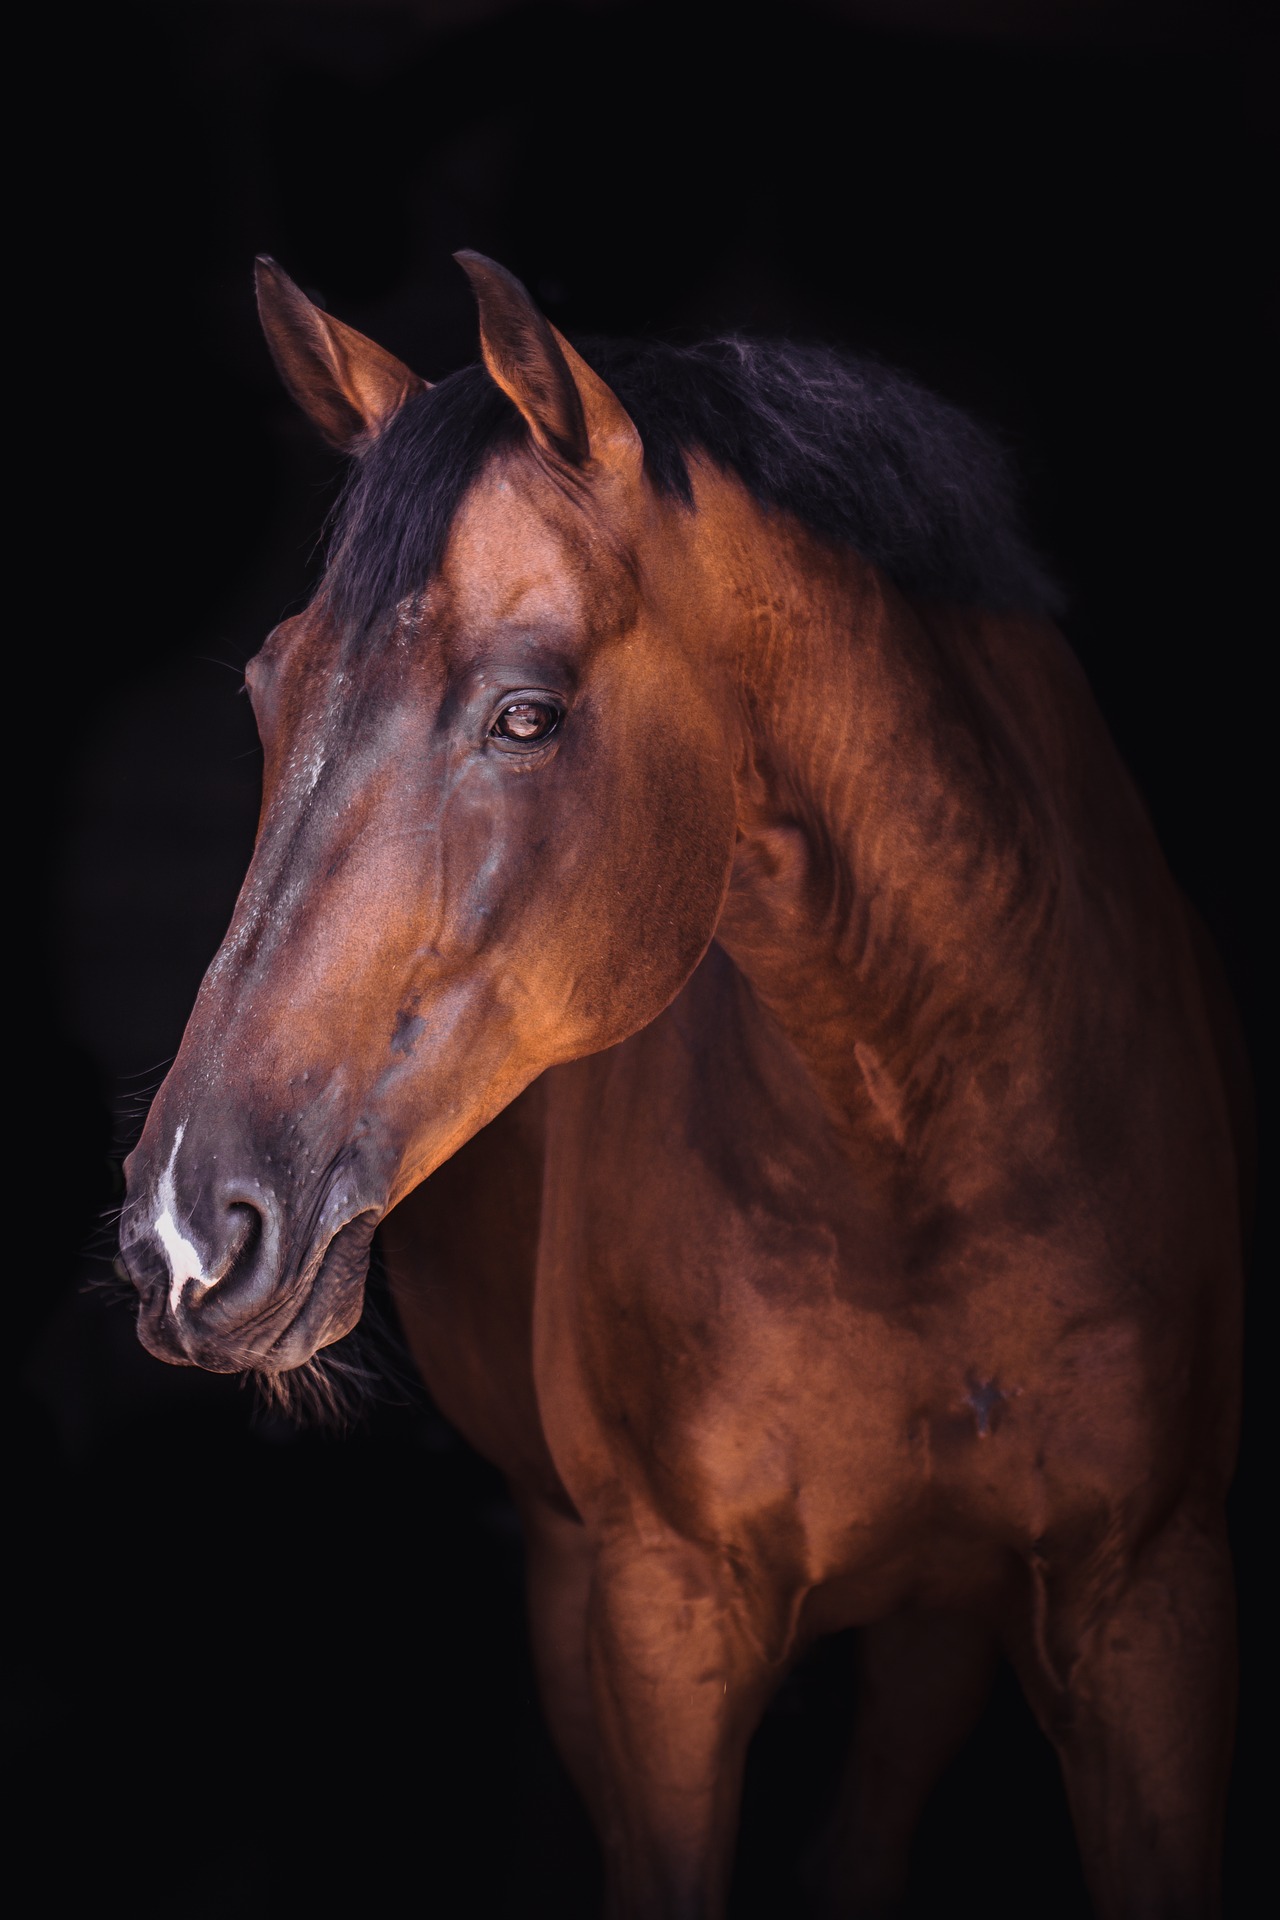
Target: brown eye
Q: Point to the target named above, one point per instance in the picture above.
(526, 721)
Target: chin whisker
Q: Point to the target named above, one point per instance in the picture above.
(327, 1391)
(341, 1385)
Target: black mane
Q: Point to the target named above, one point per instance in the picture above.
(858, 453)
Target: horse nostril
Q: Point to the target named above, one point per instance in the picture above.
(245, 1236)
(241, 1240)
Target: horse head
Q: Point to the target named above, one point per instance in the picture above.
(496, 831)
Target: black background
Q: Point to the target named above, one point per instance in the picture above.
(262, 1672)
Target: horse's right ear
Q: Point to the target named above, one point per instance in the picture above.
(347, 385)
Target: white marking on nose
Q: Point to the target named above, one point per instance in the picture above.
(184, 1262)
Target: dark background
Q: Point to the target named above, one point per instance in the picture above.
(266, 1672)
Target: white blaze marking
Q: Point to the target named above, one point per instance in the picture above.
(184, 1262)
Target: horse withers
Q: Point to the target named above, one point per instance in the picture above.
(699, 920)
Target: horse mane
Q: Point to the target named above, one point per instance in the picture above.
(858, 453)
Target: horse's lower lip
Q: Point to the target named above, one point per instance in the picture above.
(312, 1326)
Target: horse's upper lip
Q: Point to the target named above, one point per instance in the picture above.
(160, 1337)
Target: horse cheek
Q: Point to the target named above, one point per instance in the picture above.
(660, 888)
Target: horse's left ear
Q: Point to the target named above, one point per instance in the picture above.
(568, 408)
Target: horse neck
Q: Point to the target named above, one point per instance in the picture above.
(895, 862)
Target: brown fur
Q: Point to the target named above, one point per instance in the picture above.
(833, 1211)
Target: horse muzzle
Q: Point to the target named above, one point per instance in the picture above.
(225, 1284)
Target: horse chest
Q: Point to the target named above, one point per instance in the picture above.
(733, 1412)
(726, 1330)
(692, 1310)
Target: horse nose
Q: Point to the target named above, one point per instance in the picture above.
(222, 1265)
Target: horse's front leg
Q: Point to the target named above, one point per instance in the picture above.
(925, 1679)
(559, 1563)
(1136, 1689)
(679, 1682)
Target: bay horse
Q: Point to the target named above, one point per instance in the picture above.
(699, 920)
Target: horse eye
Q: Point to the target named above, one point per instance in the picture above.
(526, 720)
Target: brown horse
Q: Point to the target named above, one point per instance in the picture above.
(699, 918)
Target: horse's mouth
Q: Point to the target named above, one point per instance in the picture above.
(331, 1305)
(284, 1333)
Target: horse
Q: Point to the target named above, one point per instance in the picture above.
(700, 922)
